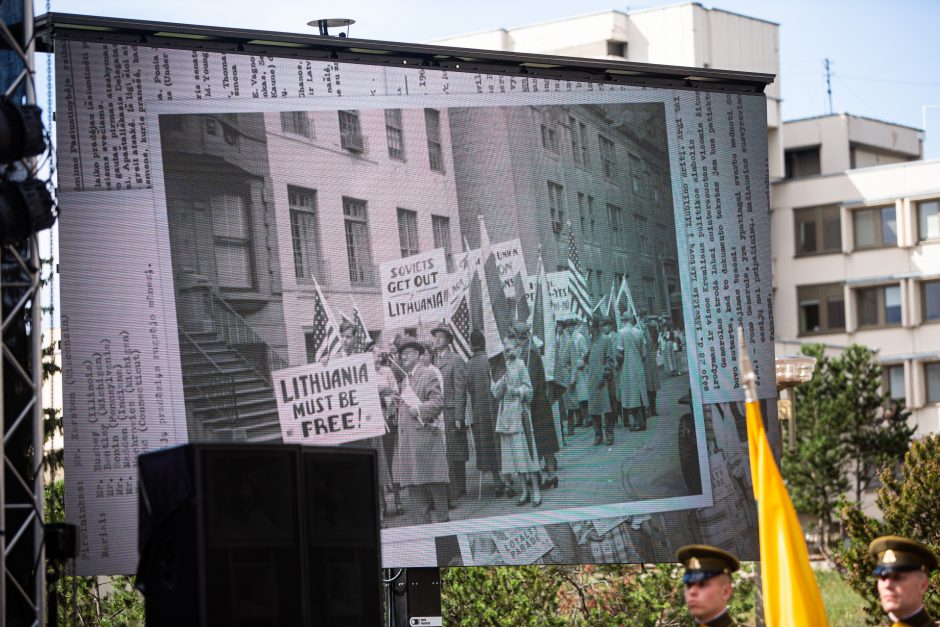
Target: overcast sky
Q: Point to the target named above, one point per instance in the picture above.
(884, 54)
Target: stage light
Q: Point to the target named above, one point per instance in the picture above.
(21, 132)
(25, 208)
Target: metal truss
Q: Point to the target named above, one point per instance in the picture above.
(22, 559)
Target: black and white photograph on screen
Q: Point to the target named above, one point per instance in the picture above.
(488, 296)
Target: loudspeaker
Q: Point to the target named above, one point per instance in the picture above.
(251, 535)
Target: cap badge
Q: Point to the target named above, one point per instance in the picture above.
(889, 557)
(694, 564)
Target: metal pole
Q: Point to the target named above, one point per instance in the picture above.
(3, 503)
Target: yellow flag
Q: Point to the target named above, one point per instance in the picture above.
(791, 595)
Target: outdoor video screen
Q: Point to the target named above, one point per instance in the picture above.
(523, 293)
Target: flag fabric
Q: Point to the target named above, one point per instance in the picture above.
(577, 284)
(362, 334)
(325, 341)
(543, 322)
(521, 310)
(600, 309)
(459, 324)
(625, 292)
(791, 594)
(613, 312)
(497, 318)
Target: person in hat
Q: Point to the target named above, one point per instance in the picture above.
(708, 583)
(601, 360)
(483, 411)
(454, 373)
(543, 420)
(562, 372)
(903, 572)
(578, 350)
(650, 330)
(631, 352)
(420, 463)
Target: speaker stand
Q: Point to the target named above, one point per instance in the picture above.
(413, 597)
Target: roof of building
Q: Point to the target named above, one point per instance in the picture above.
(851, 115)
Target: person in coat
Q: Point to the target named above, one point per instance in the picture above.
(651, 335)
(543, 420)
(421, 456)
(483, 411)
(562, 373)
(577, 367)
(613, 389)
(519, 457)
(631, 351)
(454, 373)
(600, 365)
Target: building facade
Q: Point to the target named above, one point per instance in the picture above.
(857, 251)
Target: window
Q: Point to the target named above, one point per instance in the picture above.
(231, 233)
(616, 48)
(894, 381)
(441, 227)
(878, 306)
(607, 155)
(394, 134)
(408, 232)
(432, 121)
(821, 308)
(932, 379)
(575, 143)
(615, 215)
(641, 228)
(556, 200)
(549, 137)
(801, 162)
(591, 214)
(304, 231)
(295, 122)
(928, 220)
(930, 300)
(650, 294)
(358, 248)
(581, 214)
(875, 228)
(818, 230)
(636, 167)
(585, 155)
(350, 131)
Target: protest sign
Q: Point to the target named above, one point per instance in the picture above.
(509, 262)
(558, 293)
(329, 405)
(414, 289)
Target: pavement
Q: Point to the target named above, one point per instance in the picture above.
(640, 465)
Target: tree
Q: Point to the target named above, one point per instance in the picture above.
(909, 502)
(814, 470)
(848, 428)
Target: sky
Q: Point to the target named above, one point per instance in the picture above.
(883, 55)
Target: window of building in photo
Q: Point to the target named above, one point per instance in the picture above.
(432, 122)
(591, 214)
(549, 132)
(579, 147)
(556, 204)
(350, 131)
(636, 171)
(408, 232)
(231, 234)
(876, 227)
(440, 225)
(878, 306)
(358, 247)
(615, 215)
(818, 230)
(608, 156)
(928, 220)
(894, 381)
(932, 381)
(296, 123)
(801, 162)
(821, 308)
(930, 300)
(395, 134)
(304, 231)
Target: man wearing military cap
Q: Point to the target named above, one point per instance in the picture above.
(708, 584)
(903, 572)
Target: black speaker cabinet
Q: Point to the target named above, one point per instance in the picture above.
(259, 535)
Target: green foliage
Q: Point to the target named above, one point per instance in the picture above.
(909, 503)
(844, 607)
(641, 595)
(847, 430)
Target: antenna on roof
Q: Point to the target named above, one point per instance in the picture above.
(826, 64)
(325, 24)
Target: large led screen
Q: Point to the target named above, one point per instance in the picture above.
(523, 293)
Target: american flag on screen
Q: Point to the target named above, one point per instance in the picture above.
(325, 339)
(459, 324)
(577, 284)
(362, 334)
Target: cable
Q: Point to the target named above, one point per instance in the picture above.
(397, 575)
